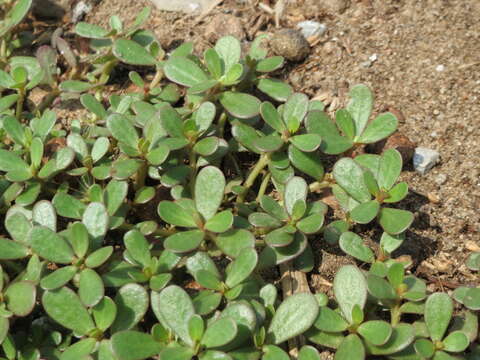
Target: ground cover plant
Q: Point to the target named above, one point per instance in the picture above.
(149, 228)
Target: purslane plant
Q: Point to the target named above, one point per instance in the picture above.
(149, 227)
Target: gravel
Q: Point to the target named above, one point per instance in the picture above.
(425, 159)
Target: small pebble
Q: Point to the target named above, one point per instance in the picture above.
(441, 179)
(311, 28)
(440, 68)
(424, 159)
(290, 44)
(433, 198)
(373, 58)
(472, 246)
(80, 10)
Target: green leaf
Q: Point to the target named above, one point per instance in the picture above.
(7, 101)
(276, 89)
(75, 86)
(134, 345)
(456, 341)
(175, 307)
(90, 31)
(79, 350)
(438, 313)
(174, 214)
(132, 303)
(214, 63)
(123, 130)
(196, 327)
(351, 348)
(424, 348)
(350, 289)
(366, 212)
(98, 257)
(345, 123)
(20, 297)
(270, 64)
(219, 333)
(220, 222)
(395, 221)
(245, 135)
(390, 243)
(397, 193)
(205, 115)
(318, 122)
(4, 327)
(68, 206)
(295, 189)
(330, 321)
(91, 289)
(132, 53)
(280, 237)
(296, 108)
(95, 219)
(259, 219)
(309, 163)
(380, 128)
(184, 241)
(10, 162)
(49, 245)
(396, 274)
(138, 247)
(14, 129)
(308, 352)
(201, 261)
(271, 116)
(360, 107)
(241, 268)
(380, 288)
(272, 256)
(176, 353)
(353, 245)
(349, 175)
(472, 299)
(229, 50)
(402, 336)
(273, 208)
(43, 214)
(104, 313)
(233, 241)
(295, 315)
(65, 307)
(115, 194)
(271, 352)
(184, 71)
(209, 191)
(241, 105)
(390, 168)
(15, 15)
(58, 278)
(306, 142)
(11, 250)
(207, 146)
(376, 332)
(269, 143)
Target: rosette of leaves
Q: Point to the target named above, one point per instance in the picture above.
(201, 214)
(348, 331)
(287, 225)
(139, 265)
(392, 289)
(351, 127)
(372, 175)
(115, 45)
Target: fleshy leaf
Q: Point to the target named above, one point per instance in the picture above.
(351, 348)
(353, 245)
(438, 313)
(350, 289)
(209, 191)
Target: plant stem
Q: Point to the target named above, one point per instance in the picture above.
(141, 175)
(395, 314)
(20, 101)
(261, 163)
(317, 186)
(192, 161)
(263, 186)
(221, 124)
(156, 79)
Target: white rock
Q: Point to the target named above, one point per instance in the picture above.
(441, 179)
(424, 159)
(185, 6)
(373, 58)
(80, 10)
(440, 68)
(310, 28)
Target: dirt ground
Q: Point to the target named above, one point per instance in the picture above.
(422, 60)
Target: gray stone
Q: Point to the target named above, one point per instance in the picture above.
(290, 44)
(441, 179)
(424, 159)
(311, 28)
(81, 9)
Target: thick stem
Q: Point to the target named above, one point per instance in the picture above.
(20, 101)
(261, 163)
(395, 314)
(221, 124)
(263, 186)
(317, 186)
(156, 79)
(141, 175)
(192, 161)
